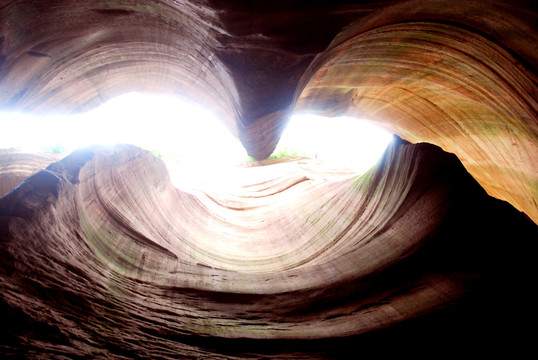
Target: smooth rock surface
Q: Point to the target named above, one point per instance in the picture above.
(443, 84)
(103, 256)
(459, 74)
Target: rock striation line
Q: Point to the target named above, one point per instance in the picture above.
(103, 256)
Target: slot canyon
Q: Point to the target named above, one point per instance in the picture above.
(429, 254)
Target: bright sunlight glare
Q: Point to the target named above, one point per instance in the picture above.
(167, 126)
(186, 134)
(343, 141)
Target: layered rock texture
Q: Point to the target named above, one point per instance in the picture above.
(16, 166)
(103, 256)
(429, 254)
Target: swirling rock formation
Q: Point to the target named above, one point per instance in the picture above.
(101, 256)
(459, 74)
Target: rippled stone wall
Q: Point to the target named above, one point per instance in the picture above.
(101, 256)
(101, 253)
(459, 74)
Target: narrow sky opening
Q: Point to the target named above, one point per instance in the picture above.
(176, 130)
(352, 143)
(189, 138)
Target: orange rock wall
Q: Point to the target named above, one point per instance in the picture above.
(459, 74)
(102, 257)
(100, 253)
(442, 84)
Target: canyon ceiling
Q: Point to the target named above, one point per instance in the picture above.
(433, 249)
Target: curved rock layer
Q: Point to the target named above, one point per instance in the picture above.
(459, 74)
(17, 166)
(445, 85)
(103, 256)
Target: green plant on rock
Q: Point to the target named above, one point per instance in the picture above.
(284, 153)
(56, 149)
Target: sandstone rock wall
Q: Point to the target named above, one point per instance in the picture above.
(101, 255)
(459, 74)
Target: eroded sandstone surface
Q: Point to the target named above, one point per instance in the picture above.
(16, 166)
(102, 255)
(423, 256)
(458, 74)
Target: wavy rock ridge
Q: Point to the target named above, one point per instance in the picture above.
(458, 74)
(102, 255)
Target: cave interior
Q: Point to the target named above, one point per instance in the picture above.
(429, 254)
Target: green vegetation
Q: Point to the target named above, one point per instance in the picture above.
(285, 152)
(156, 153)
(56, 149)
